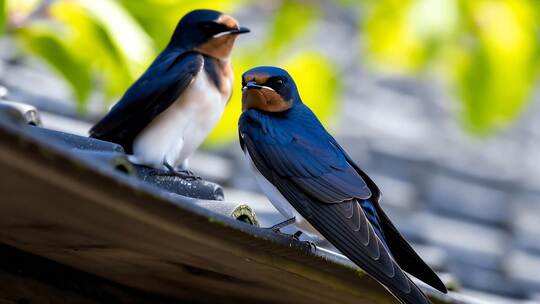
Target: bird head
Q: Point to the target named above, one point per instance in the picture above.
(209, 32)
(269, 89)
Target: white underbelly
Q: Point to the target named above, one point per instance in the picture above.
(279, 201)
(178, 131)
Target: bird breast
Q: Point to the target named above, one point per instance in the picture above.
(205, 104)
(178, 131)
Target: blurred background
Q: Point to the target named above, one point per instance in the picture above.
(437, 100)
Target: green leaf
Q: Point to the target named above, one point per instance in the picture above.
(291, 20)
(129, 39)
(3, 13)
(158, 19)
(486, 50)
(97, 44)
(495, 75)
(318, 83)
(53, 50)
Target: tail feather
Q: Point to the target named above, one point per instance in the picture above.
(405, 255)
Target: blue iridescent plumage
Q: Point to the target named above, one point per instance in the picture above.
(294, 152)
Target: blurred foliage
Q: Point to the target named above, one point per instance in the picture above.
(2, 16)
(102, 46)
(487, 49)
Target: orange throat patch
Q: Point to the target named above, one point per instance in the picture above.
(220, 47)
(264, 99)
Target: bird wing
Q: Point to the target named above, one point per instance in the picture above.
(320, 188)
(163, 82)
(401, 250)
(307, 159)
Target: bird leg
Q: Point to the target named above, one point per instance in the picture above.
(185, 174)
(277, 227)
(296, 236)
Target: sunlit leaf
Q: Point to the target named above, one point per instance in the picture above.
(318, 83)
(93, 41)
(2, 16)
(496, 74)
(128, 37)
(406, 35)
(487, 49)
(57, 54)
(388, 39)
(292, 19)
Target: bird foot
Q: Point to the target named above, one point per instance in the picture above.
(277, 229)
(296, 236)
(312, 246)
(184, 174)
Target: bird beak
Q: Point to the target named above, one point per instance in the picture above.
(238, 31)
(251, 85)
(254, 85)
(241, 30)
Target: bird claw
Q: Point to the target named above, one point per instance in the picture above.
(188, 175)
(296, 236)
(312, 246)
(184, 174)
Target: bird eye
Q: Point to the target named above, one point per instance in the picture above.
(277, 83)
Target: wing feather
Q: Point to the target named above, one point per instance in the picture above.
(317, 167)
(401, 250)
(161, 84)
(345, 226)
(355, 238)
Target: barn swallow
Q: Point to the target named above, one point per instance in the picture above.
(167, 113)
(310, 178)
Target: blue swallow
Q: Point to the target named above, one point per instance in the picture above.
(168, 112)
(311, 180)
